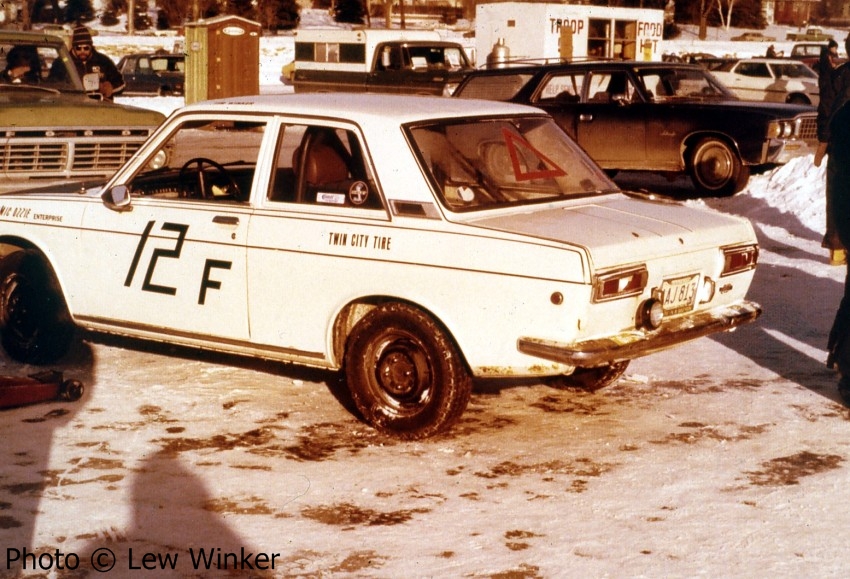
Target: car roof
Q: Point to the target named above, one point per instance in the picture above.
(390, 108)
(594, 64)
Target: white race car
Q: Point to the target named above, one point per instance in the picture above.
(412, 242)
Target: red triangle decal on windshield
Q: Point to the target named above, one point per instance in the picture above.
(550, 170)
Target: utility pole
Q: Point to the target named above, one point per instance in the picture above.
(131, 17)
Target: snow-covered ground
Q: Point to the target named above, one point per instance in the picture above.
(726, 457)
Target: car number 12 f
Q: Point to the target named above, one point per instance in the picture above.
(171, 253)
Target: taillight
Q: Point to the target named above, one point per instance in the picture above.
(621, 283)
(739, 258)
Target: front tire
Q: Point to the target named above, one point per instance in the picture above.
(35, 327)
(715, 168)
(406, 376)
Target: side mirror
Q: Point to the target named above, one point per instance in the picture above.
(117, 198)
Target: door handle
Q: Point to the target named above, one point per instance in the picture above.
(585, 117)
(226, 219)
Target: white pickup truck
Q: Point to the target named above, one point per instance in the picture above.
(377, 60)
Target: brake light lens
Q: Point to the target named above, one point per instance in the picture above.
(620, 283)
(739, 258)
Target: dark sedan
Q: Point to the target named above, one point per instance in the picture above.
(159, 73)
(657, 116)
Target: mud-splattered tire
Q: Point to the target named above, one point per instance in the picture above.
(406, 376)
(35, 327)
(591, 379)
(715, 168)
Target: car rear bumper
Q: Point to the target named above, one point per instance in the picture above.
(639, 343)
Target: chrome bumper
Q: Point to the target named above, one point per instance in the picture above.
(792, 149)
(639, 343)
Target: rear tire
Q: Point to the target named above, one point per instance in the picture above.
(591, 379)
(715, 168)
(35, 327)
(406, 376)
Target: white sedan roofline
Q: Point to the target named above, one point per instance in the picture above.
(397, 108)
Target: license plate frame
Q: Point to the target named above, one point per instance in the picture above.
(678, 294)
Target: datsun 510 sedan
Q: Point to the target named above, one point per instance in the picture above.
(414, 243)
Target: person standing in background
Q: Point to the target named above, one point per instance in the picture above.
(88, 60)
(826, 68)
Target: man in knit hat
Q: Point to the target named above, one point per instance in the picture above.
(88, 60)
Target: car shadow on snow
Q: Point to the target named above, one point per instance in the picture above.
(791, 335)
(28, 475)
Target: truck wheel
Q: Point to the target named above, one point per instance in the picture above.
(715, 168)
(405, 375)
(35, 327)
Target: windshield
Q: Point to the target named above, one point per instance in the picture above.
(679, 83)
(480, 164)
(42, 66)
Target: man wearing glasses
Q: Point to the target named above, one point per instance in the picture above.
(88, 60)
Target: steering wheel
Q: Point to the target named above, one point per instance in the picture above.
(232, 186)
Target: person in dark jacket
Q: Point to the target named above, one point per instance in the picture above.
(837, 134)
(827, 65)
(88, 60)
(22, 66)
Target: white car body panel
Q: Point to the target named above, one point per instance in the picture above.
(771, 87)
(273, 279)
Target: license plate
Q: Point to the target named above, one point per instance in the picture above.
(679, 294)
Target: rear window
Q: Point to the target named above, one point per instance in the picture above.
(502, 87)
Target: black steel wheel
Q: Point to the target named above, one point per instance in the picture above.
(35, 327)
(715, 168)
(406, 376)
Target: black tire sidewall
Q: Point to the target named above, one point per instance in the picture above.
(53, 333)
(450, 380)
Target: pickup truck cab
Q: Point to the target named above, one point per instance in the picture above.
(812, 34)
(377, 60)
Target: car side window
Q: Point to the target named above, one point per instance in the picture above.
(321, 165)
(605, 87)
(209, 160)
(561, 88)
(756, 69)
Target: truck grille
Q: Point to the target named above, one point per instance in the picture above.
(45, 154)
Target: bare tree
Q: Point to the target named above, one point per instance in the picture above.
(724, 11)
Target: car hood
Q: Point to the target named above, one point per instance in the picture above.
(617, 229)
(38, 108)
